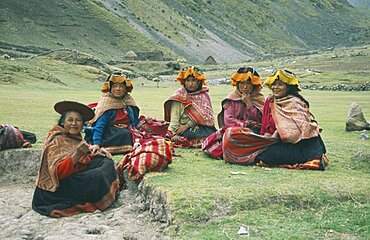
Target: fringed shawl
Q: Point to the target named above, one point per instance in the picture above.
(293, 119)
(58, 146)
(256, 97)
(197, 105)
(107, 102)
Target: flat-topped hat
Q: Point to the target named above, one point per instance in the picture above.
(65, 106)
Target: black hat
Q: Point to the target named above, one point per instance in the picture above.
(64, 106)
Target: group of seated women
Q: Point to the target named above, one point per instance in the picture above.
(78, 175)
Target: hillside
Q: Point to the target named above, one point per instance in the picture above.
(230, 31)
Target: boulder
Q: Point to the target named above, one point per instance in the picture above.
(19, 165)
(355, 119)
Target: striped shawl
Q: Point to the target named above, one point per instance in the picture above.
(197, 105)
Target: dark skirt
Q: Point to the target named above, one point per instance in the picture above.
(288, 153)
(198, 132)
(112, 136)
(98, 180)
(115, 136)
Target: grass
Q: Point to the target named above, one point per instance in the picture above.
(208, 201)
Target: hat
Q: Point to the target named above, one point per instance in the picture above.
(65, 106)
(245, 73)
(117, 77)
(191, 71)
(285, 76)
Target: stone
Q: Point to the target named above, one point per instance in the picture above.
(363, 136)
(355, 119)
(19, 165)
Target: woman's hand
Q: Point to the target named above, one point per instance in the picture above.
(81, 150)
(182, 129)
(94, 148)
(104, 152)
(246, 98)
(175, 138)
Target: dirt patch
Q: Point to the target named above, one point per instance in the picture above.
(137, 214)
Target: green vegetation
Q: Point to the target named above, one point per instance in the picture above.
(207, 200)
(82, 25)
(192, 29)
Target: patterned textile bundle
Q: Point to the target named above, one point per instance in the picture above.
(10, 137)
(152, 126)
(212, 145)
(151, 156)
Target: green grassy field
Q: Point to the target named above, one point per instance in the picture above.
(207, 201)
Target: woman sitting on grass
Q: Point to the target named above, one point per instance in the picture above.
(189, 109)
(288, 137)
(73, 178)
(115, 114)
(243, 107)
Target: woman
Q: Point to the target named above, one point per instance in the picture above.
(115, 114)
(288, 137)
(189, 109)
(73, 177)
(243, 107)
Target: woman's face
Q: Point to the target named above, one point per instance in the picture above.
(279, 89)
(191, 83)
(118, 90)
(245, 87)
(73, 123)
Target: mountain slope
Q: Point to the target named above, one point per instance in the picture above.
(230, 31)
(81, 25)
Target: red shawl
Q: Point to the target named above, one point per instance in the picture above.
(197, 105)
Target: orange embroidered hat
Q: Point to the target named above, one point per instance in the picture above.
(244, 74)
(117, 77)
(191, 71)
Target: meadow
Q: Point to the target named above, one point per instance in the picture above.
(206, 198)
(208, 202)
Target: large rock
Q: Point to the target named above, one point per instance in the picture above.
(355, 119)
(19, 165)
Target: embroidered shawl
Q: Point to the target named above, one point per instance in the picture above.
(58, 146)
(197, 105)
(107, 102)
(292, 119)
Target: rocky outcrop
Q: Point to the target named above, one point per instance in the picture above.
(155, 201)
(355, 119)
(19, 165)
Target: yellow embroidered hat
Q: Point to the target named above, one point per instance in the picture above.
(117, 77)
(191, 71)
(244, 74)
(285, 76)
